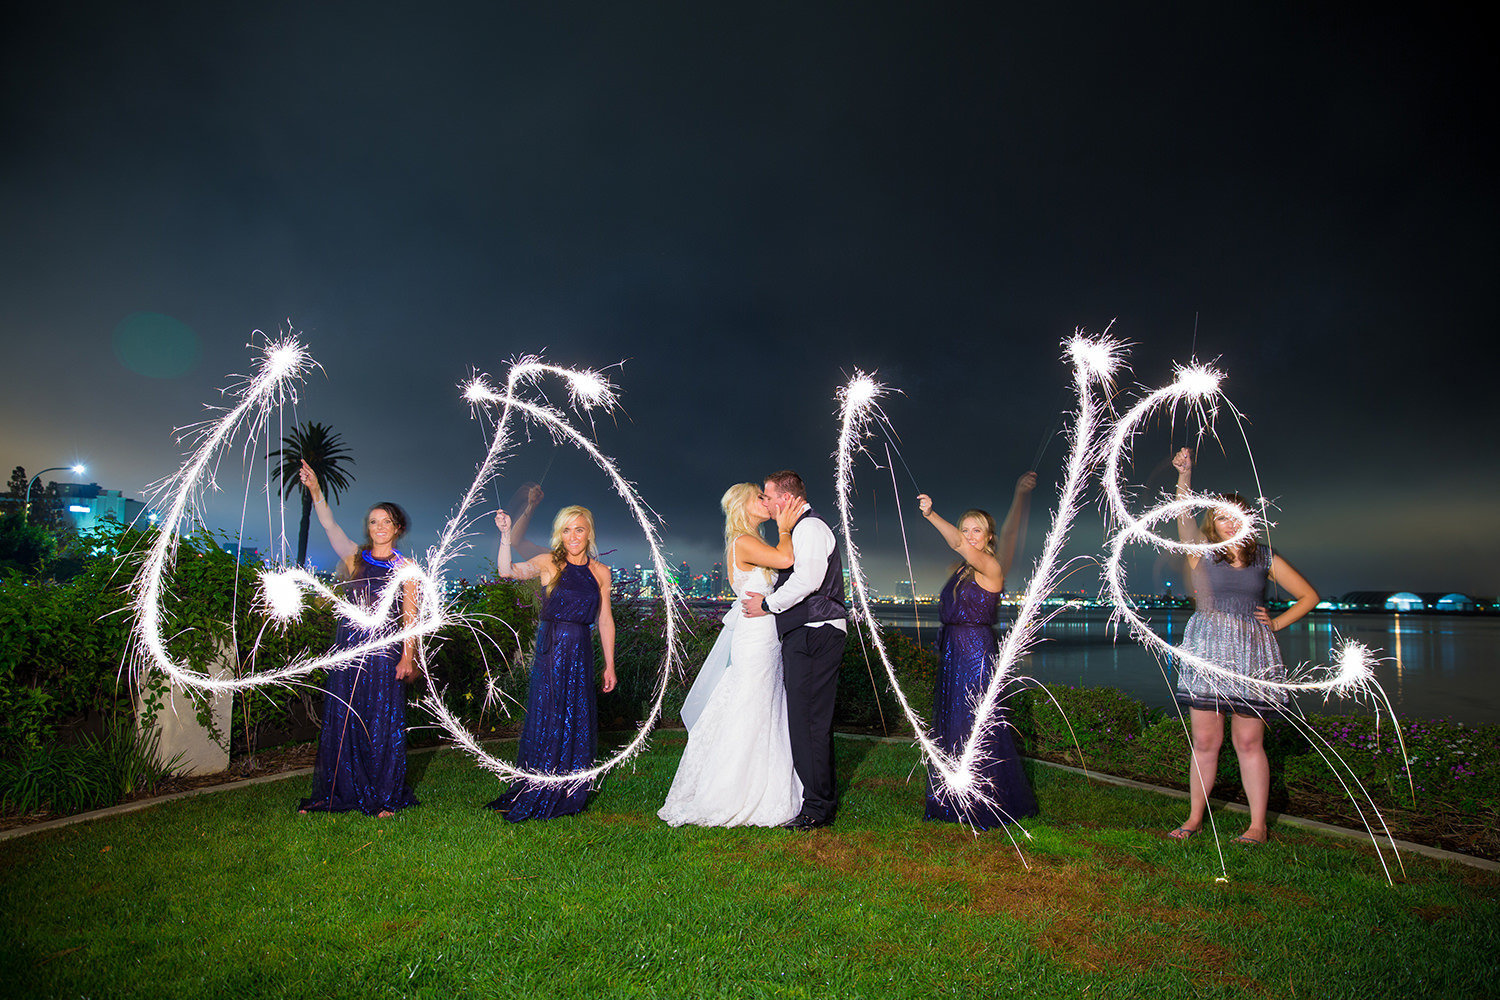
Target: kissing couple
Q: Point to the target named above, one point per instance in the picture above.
(760, 714)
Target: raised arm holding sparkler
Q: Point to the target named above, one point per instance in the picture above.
(1231, 627)
(969, 609)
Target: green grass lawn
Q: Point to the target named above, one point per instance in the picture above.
(235, 895)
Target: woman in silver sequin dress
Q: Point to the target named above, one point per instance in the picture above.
(1232, 628)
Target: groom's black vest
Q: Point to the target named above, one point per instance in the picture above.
(824, 604)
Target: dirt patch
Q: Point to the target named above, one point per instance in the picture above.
(1079, 908)
(392, 928)
(879, 783)
(1432, 914)
(1474, 878)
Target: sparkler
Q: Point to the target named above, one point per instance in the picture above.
(283, 365)
(1094, 362)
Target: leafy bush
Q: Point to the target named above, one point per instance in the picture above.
(481, 665)
(90, 774)
(866, 699)
(1065, 718)
(640, 643)
(64, 647)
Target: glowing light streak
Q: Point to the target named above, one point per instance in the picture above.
(1094, 362)
(1198, 387)
(284, 363)
(592, 390)
(1352, 672)
(282, 592)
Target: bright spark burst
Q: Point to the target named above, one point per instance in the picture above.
(1100, 357)
(282, 595)
(1197, 381)
(861, 391)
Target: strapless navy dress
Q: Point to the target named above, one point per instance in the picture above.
(968, 647)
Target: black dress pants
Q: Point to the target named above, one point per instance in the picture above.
(810, 658)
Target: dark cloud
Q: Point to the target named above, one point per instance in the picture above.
(749, 202)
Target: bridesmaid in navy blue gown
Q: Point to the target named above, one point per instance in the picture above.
(969, 609)
(560, 731)
(361, 760)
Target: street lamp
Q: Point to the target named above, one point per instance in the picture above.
(77, 470)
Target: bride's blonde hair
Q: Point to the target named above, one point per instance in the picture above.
(737, 521)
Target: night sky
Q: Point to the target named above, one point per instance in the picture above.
(744, 203)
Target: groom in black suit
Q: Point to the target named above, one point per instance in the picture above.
(812, 621)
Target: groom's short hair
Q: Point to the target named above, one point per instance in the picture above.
(788, 481)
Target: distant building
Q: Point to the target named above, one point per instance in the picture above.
(1455, 602)
(1401, 600)
(89, 504)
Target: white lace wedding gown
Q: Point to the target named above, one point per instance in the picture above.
(737, 768)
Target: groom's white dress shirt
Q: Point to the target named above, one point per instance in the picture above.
(812, 544)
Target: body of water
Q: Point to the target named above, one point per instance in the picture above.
(1433, 666)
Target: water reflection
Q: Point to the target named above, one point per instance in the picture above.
(1450, 660)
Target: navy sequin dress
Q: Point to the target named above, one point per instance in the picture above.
(968, 647)
(362, 749)
(560, 730)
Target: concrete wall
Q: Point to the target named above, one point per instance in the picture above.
(177, 722)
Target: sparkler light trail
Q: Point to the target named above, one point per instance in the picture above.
(283, 365)
(588, 389)
(1196, 386)
(1351, 674)
(1094, 362)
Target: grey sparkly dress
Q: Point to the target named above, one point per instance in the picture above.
(1224, 630)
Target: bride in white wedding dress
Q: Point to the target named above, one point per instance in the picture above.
(737, 768)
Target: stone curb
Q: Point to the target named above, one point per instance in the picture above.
(1327, 829)
(137, 806)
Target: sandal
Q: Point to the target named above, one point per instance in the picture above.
(1247, 841)
(1182, 833)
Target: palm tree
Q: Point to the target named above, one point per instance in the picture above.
(321, 448)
